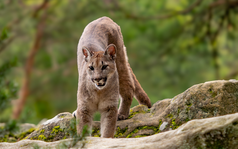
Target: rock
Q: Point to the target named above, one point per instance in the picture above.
(41, 122)
(19, 132)
(55, 129)
(25, 127)
(209, 133)
(204, 100)
(209, 99)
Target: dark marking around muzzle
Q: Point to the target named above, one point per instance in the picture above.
(99, 81)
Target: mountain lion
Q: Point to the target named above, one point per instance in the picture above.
(104, 77)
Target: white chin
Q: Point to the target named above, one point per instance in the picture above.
(99, 87)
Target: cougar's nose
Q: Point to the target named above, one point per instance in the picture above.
(97, 79)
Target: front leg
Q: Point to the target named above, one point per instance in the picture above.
(108, 121)
(84, 117)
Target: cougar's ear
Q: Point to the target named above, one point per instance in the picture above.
(87, 54)
(111, 51)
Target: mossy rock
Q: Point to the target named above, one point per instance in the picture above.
(209, 99)
(200, 101)
(21, 132)
(54, 129)
(210, 133)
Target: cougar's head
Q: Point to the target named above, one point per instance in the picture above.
(100, 65)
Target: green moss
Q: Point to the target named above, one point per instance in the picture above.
(150, 127)
(139, 136)
(189, 104)
(96, 136)
(5, 138)
(170, 115)
(41, 137)
(214, 94)
(42, 131)
(187, 110)
(34, 138)
(133, 114)
(160, 123)
(31, 130)
(53, 133)
(130, 135)
(174, 125)
(96, 132)
(64, 137)
(178, 111)
(187, 119)
(155, 129)
(62, 116)
(51, 137)
(210, 90)
(120, 132)
(173, 122)
(24, 134)
(7, 131)
(56, 130)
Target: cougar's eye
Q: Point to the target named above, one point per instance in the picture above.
(104, 67)
(91, 68)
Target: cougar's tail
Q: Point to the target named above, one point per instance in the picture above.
(139, 93)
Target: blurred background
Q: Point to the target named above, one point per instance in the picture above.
(171, 45)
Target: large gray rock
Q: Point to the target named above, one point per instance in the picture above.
(210, 133)
(204, 100)
(209, 99)
(55, 129)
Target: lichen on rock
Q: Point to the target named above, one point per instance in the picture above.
(54, 129)
(200, 101)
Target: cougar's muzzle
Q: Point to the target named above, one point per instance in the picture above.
(99, 82)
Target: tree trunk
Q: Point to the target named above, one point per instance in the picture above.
(18, 105)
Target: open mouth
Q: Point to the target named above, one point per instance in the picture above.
(100, 84)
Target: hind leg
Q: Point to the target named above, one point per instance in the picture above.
(128, 89)
(140, 94)
(127, 94)
(138, 91)
(126, 83)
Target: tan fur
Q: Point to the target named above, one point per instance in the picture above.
(99, 36)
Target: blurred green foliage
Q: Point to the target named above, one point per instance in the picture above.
(8, 130)
(8, 88)
(171, 46)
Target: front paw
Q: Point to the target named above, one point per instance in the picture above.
(121, 117)
(74, 114)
